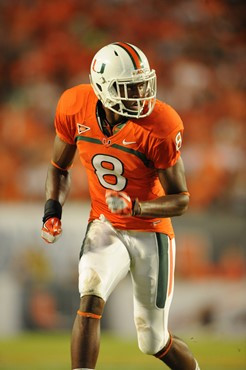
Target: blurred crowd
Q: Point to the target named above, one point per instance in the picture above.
(197, 48)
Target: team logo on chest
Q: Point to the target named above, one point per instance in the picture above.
(82, 128)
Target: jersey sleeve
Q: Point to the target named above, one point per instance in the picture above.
(164, 148)
(64, 126)
(166, 152)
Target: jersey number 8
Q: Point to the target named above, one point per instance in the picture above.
(109, 171)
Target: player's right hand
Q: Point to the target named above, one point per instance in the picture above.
(119, 202)
(51, 230)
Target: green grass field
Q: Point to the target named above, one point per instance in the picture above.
(51, 351)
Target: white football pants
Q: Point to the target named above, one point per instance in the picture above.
(108, 254)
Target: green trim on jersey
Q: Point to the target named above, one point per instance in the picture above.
(138, 154)
(162, 241)
(89, 139)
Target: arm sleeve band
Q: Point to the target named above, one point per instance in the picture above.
(60, 168)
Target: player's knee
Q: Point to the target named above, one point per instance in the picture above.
(146, 345)
(89, 282)
(149, 340)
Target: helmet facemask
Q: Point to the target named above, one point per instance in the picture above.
(122, 101)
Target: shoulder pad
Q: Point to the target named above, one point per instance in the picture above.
(74, 99)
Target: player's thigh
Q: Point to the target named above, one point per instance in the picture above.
(104, 260)
(153, 277)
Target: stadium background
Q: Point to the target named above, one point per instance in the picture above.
(198, 50)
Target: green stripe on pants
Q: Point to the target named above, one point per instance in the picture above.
(83, 243)
(162, 241)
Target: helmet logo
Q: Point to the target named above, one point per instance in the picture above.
(102, 68)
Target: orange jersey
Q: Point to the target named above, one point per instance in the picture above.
(127, 160)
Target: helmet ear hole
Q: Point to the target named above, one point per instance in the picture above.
(113, 89)
(99, 87)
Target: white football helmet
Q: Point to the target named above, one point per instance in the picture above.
(115, 69)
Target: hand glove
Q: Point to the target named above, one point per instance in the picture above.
(51, 230)
(120, 203)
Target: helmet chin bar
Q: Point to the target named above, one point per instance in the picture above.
(145, 107)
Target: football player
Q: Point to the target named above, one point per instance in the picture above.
(129, 143)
